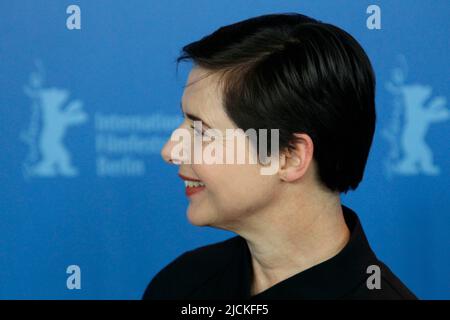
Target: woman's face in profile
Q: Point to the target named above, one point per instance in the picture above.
(233, 193)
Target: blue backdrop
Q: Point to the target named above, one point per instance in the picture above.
(84, 113)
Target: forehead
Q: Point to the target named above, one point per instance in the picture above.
(201, 88)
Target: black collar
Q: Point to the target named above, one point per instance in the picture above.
(331, 279)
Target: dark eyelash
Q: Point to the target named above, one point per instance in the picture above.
(202, 132)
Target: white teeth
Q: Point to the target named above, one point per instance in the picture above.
(189, 183)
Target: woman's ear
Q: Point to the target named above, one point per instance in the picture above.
(294, 162)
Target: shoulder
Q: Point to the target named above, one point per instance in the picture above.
(191, 269)
(392, 284)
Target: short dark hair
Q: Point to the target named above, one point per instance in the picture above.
(299, 75)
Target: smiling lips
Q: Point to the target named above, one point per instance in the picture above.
(192, 185)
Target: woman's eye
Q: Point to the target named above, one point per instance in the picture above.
(196, 131)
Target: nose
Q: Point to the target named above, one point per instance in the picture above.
(166, 152)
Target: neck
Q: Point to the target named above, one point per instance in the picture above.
(290, 238)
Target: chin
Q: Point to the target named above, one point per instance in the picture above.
(199, 219)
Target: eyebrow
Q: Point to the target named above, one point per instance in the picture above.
(193, 117)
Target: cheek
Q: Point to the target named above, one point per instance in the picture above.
(234, 189)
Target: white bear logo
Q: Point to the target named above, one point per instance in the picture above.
(46, 138)
(417, 109)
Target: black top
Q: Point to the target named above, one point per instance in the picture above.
(224, 271)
